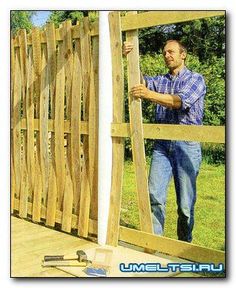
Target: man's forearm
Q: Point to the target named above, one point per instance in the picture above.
(167, 100)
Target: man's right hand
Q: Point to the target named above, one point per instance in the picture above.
(127, 47)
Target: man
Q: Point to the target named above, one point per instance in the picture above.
(179, 96)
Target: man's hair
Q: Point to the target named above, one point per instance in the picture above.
(182, 48)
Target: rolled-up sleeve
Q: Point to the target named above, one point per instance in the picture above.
(152, 82)
(192, 90)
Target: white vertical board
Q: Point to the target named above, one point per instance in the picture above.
(104, 134)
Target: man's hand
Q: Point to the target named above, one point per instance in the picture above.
(140, 91)
(127, 47)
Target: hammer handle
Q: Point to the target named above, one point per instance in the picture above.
(54, 258)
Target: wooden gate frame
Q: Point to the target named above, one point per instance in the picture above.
(138, 131)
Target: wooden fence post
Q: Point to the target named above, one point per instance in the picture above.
(118, 117)
(137, 139)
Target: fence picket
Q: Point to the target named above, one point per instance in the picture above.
(67, 202)
(16, 131)
(30, 124)
(52, 72)
(59, 127)
(84, 204)
(37, 62)
(93, 112)
(43, 125)
(24, 74)
(75, 126)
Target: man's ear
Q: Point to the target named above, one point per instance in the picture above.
(183, 55)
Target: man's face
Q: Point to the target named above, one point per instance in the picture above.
(172, 55)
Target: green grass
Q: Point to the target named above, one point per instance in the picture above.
(209, 229)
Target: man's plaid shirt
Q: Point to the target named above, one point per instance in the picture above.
(190, 87)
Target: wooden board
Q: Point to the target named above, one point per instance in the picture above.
(76, 126)
(43, 123)
(137, 139)
(84, 203)
(31, 242)
(154, 18)
(52, 64)
(68, 62)
(93, 134)
(37, 62)
(213, 134)
(67, 202)
(68, 66)
(51, 126)
(52, 71)
(30, 124)
(16, 132)
(52, 197)
(93, 112)
(24, 172)
(118, 117)
(172, 247)
(59, 127)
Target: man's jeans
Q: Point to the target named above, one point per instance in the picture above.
(181, 159)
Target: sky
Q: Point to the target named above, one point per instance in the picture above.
(40, 18)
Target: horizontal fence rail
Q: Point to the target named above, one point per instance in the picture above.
(128, 22)
(213, 134)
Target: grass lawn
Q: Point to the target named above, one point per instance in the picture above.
(209, 229)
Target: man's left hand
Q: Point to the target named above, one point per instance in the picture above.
(140, 91)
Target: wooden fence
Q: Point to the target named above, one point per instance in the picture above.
(54, 92)
(54, 100)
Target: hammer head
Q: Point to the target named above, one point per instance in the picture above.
(81, 255)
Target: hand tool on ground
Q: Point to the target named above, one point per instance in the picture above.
(64, 263)
(80, 257)
(80, 260)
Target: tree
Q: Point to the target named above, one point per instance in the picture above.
(58, 17)
(21, 20)
(204, 38)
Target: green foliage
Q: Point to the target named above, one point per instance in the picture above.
(21, 20)
(207, 37)
(57, 17)
(213, 153)
(204, 38)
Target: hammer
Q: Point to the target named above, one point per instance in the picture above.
(81, 257)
